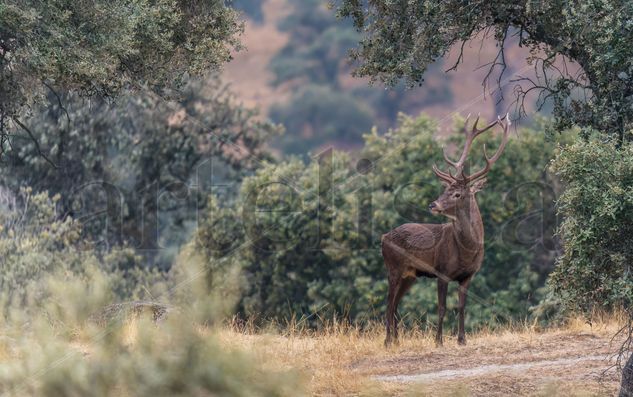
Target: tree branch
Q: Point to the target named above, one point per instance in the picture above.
(460, 58)
(59, 100)
(34, 139)
(500, 60)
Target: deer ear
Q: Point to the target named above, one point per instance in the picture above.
(477, 185)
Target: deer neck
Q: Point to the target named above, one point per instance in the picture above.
(468, 227)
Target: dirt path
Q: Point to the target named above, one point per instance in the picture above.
(556, 364)
(484, 370)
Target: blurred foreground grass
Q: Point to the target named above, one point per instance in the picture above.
(59, 350)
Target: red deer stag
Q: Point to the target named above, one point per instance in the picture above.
(450, 251)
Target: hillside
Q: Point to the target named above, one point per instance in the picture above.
(248, 72)
(575, 360)
(442, 95)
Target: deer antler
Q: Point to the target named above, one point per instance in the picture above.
(470, 137)
(490, 161)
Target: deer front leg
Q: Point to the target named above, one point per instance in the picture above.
(442, 288)
(463, 292)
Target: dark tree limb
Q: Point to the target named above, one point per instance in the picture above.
(35, 141)
(59, 100)
(460, 57)
(500, 60)
(626, 386)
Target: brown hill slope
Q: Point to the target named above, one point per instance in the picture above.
(250, 76)
(248, 72)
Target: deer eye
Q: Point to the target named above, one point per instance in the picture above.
(457, 195)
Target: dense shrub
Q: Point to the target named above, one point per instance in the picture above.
(305, 238)
(36, 242)
(594, 272)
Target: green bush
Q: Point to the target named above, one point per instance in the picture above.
(36, 242)
(594, 271)
(305, 239)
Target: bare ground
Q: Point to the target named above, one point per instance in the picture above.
(561, 363)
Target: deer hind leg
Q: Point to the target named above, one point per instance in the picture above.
(404, 285)
(442, 289)
(463, 292)
(399, 283)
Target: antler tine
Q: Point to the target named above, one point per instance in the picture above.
(449, 161)
(474, 125)
(491, 160)
(476, 132)
(448, 177)
(466, 123)
(459, 163)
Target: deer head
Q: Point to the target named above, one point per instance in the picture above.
(461, 188)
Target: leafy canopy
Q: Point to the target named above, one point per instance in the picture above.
(100, 47)
(400, 39)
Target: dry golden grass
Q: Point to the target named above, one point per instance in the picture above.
(575, 359)
(342, 359)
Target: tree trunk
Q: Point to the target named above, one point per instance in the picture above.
(626, 388)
